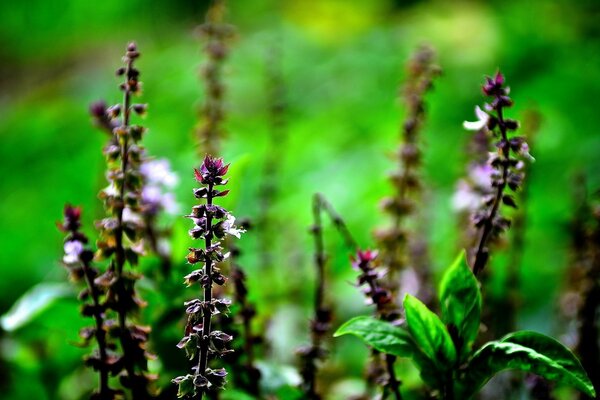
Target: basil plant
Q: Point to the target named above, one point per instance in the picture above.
(442, 348)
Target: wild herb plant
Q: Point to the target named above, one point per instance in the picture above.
(266, 220)
(202, 343)
(78, 259)
(381, 371)
(580, 303)
(216, 34)
(320, 325)
(247, 375)
(312, 355)
(504, 167)
(401, 205)
(121, 232)
(442, 348)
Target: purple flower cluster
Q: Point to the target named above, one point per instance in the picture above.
(502, 172)
(211, 223)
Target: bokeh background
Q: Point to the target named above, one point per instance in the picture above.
(342, 63)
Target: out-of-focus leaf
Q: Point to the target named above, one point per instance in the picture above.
(525, 351)
(277, 376)
(31, 304)
(232, 394)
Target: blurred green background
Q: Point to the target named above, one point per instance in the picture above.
(342, 63)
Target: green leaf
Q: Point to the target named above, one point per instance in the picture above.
(33, 303)
(390, 339)
(381, 335)
(525, 351)
(460, 300)
(429, 333)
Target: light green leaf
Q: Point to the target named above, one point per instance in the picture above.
(33, 303)
(381, 335)
(390, 339)
(429, 333)
(460, 300)
(525, 351)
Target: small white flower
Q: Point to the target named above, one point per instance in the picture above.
(482, 120)
(159, 172)
(525, 152)
(73, 249)
(230, 228)
(111, 190)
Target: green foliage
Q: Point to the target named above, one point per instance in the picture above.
(380, 335)
(526, 351)
(429, 333)
(460, 300)
(461, 309)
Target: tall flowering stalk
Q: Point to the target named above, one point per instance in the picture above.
(277, 108)
(249, 374)
(504, 166)
(369, 279)
(315, 352)
(394, 240)
(78, 260)
(216, 34)
(580, 303)
(121, 232)
(310, 355)
(211, 223)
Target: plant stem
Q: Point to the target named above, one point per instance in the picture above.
(482, 255)
(124, 336)
(206, 313)
(100, 332)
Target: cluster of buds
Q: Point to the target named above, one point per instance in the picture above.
(369, 279)
(380, 371)
(216, 34)
(212, 223)
(504, 167)
(78, 260)
(122, 231)
(394, 240)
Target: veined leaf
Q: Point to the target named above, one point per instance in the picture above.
(525, 351)
(380, 335)
(429, 333)
(460, 300)
(390, 339)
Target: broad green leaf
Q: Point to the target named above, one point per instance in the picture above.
(429, 333)
(525, 351)
(380, 335)
(460, 300)
(390, 339)
(33, 303)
